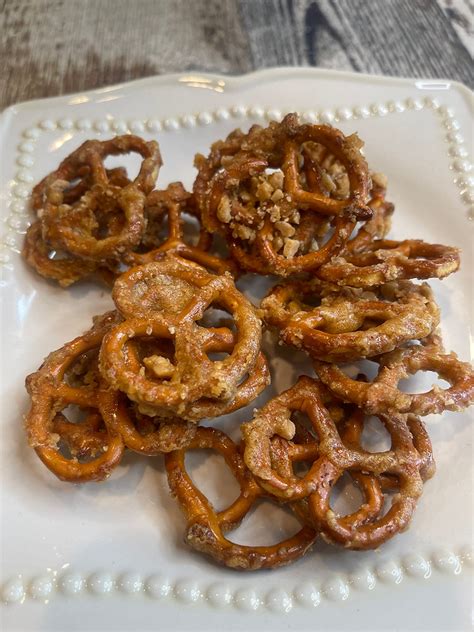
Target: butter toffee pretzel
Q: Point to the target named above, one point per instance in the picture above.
(184, 345)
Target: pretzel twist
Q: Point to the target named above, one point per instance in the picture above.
(383, 392)
(206, 528)
(51, 393)
(344, 328)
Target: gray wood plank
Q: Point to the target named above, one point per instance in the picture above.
(393, 37)
(50, 47)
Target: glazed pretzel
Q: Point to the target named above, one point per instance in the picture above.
(193, 375)
(156, 437)
(171, 205)
(51, 393)
(346, 150)
(108, 218)
(84, 167)
(383, 393)
(206, 528)
(263, 257)
(285, 208)
(363, 529)
(334, 450)
(66, 270)
(344, 328)
(384, 260)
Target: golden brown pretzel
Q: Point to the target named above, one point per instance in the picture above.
(86, 165)
(193, 375)
(66, 270)
(363, 530)
(206, 528)
(164, 233)
(272, 221)
(383, 393)
(385, 260)
(108, 218)
(272, 238)
(163, 436)
(51, 393)
(344, 328)
(334, 450)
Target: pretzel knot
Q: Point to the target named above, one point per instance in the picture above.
(206, 528)
(52, 389)
(185, 381)
(271, 192)
(67, 269)
(349, 326)
(334, 449)
(169, 213)
(91, 212)
(85, 167)
(385, 260)
(383, 393)
(140, 433)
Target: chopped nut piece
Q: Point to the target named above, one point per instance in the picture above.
(224, 211)
(276, 179)
(159, 366)
(379, 180)
(287, 230)
(277, 243)
(275, 213)
(290, 248)
(264, 191)
(277, 195)
(343, 186)
(243, 232)
(328, 182)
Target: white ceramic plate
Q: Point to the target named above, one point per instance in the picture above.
(109, 556)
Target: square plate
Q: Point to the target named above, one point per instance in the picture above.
(110, 556)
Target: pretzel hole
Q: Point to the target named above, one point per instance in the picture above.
(366, 370)
(309, 302)
(74, 414)
(301, 468)
(375, 437)
(83, 446)
(218, 356)
(266, 524)
(109, 223)
(131, 162)
(305, 430)
(212, 476)
(190, 228)
(388, 498)
(216, 316)
(422, 382)
(346, 496)
(83, 371)
(324, 238)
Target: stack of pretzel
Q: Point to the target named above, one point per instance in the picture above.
(290, 200)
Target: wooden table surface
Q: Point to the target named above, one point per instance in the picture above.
(51, 47)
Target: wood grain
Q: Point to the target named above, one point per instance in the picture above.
(50, 47)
